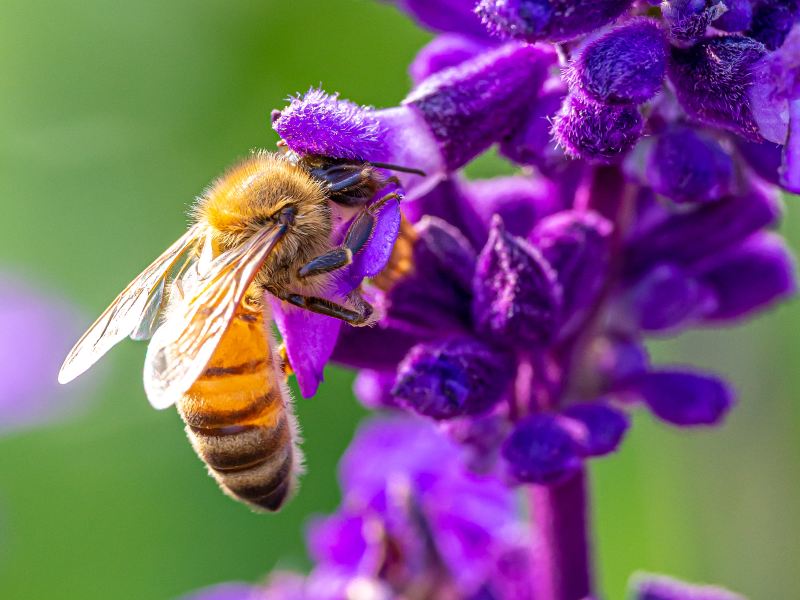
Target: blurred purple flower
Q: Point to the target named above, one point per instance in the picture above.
(36, 331)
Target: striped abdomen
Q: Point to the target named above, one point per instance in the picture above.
(239, 417)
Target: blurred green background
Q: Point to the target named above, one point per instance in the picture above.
(113, 116)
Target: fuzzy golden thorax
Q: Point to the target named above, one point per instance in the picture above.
(249, 197)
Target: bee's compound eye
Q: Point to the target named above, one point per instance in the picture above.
(287, 214)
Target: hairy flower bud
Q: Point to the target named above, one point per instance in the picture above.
(596, 131)
(553, 20)
(453, 378)
(623, 65)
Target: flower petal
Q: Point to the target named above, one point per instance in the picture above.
(541, 450)
(445, 51)
(601, 427)
(309, 339)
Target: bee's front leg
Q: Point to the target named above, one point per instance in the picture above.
(358, 317)
(358, 234)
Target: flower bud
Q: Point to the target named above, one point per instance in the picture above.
(553, 20)
(596, 131)
(516, 296)
(682, 398)
(541, 450)
(750, 277)
(600, 427)
(453, 378)
(623, 65)
(688, 166)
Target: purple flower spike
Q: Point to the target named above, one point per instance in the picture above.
(737, 18)
(577, 246)
(772, 21)
(750, 277)
(516, 297)
(553, 20)
(595, 131)
(453, 378)
(320, 123)
(541, 450)
(712, 80)
(668, 297)
(683, 398)
(623, 65)
(688, 19)
(659, 587)
(688, 166)
(447, 50)
(600, 427)
(477, 103)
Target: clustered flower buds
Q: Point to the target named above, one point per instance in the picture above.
(653, 140)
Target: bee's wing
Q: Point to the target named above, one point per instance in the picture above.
(183, 345)
(125, 314)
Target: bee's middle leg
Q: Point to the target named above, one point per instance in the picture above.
(358, 234)
(357, 317)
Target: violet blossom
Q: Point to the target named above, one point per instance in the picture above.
(654, 139)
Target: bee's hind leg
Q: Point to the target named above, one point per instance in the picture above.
(357, 317)
(358, 234)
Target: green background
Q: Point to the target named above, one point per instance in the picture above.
(113, 116)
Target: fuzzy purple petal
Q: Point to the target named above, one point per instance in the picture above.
(553, 20)
(645, 586)
(623, 65)
(683, 398)
(751, 277)
(517, 297)
(320, 123)
(476, 103)
(594, 131)
(453, 378)
(541, 450)
(712, 80)
(309, 339)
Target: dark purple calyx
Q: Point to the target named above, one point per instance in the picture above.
(712, 79)
(516, 295)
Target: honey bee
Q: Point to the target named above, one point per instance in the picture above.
(264, 227)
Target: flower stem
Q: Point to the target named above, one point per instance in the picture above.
(562, 552)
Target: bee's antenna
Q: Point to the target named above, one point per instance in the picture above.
(391, 167)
